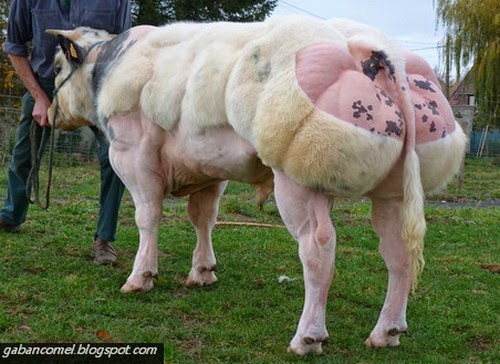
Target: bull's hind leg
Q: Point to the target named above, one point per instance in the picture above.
(387, 222)
(307, 216)
(202, 210)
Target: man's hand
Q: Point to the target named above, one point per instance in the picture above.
(42, 104)
(25, 72)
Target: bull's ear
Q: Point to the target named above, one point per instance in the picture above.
(73, 52)
(66, 38)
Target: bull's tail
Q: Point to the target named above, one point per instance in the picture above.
(414, 225)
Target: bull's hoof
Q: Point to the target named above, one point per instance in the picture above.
(390, 338)
(201, 277)
(307, 345)
(143, 284)
(127, 287)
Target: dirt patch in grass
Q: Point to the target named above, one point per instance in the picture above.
(492, 268)
(480, 343)
(193, 346)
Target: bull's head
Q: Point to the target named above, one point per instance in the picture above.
(73, 104)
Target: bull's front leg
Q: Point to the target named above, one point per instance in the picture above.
(306, 215)
(386, 220)
(147, 190)
(202, 209)
(147, 217)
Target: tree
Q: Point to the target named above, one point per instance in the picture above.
(156, 12)
(472, 35)
(152, 12)
(10, 85)
(228, 10)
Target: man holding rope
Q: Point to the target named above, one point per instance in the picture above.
(28, 20)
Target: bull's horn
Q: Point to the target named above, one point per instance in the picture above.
(68, 34)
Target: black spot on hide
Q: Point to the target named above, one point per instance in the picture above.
(432, 127)
(360, 110)
(377, 62)
(109, 55)
(443, 134)
(393, 127)
(424, 85)
(256, 55)
(264, 72)
(433, 107)
(381, 93)
(425, 118)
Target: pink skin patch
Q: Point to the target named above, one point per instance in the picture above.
(433, 116)
(362, 91)
(329, 76)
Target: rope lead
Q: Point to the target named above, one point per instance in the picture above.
(33, 181)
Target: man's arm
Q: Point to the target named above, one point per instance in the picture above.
(25, 73)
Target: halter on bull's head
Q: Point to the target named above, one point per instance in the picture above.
(73, 104)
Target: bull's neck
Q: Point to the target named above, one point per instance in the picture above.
(106, 55)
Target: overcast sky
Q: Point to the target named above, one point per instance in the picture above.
(412, 22)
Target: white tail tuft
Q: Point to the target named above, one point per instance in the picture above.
(414, 225)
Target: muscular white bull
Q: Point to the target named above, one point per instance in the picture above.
(327, 108)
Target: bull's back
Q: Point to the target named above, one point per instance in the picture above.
(183, 70)
(176, 73)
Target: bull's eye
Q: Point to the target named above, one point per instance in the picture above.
(57, 69)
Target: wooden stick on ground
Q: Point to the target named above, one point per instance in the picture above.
(241, 223)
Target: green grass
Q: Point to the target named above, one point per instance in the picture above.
(50, 291)
(480, 182)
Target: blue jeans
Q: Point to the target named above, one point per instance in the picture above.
(16, 204)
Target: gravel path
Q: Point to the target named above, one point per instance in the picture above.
(449, 204)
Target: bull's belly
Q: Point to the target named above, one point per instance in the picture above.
(204, 156)
(190, 176)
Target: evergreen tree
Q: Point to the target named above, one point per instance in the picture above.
(156, 12)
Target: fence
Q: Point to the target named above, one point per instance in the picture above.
(76, 145)
(485, 143)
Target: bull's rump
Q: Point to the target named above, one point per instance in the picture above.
(288, 129)
(311, 126)
(316, 148)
